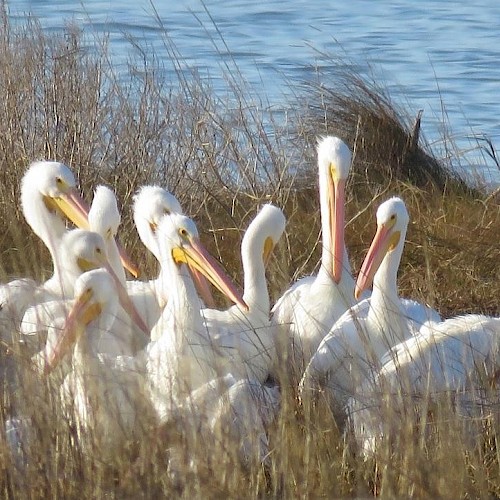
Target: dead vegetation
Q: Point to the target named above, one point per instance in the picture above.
(222, 158)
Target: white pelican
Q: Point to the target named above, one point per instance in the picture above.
(108, 404)
(48, 192)
(307, 311)
(226, 415)
(243, 414)
(456, 361)
(151, 204)
(248, 336)
(183, 358)
(104, 218)
(352, 349)
(80, 251)
(48, 196)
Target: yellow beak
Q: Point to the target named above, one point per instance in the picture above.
(197, 257)
(385, 240)
(80, 316)
(336, 197)
(73, 206)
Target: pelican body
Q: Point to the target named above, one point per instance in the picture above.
(228, 415)
(352, 350)
(109, 405)
(455, 362)
(183, 358)
(248, 337)
(307, 311)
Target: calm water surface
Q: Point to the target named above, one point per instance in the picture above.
(426, 53)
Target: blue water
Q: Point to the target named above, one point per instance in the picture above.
(441, 56)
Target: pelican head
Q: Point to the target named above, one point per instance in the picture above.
(392, 222)
(334, 162)
(265, 230)
(180, 242)
(151, 203)
(84, 248)
(88, 248)
(56, 184)
(104, 218)
(94, 293)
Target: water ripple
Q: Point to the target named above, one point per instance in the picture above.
(427, 52)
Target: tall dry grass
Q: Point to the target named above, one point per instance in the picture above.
(222, 157)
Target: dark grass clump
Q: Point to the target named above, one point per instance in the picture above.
(223, 158)
(386, 141)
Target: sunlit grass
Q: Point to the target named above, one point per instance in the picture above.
(223, 157)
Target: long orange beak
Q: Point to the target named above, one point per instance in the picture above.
(203, 287)
(74, 207)
(336, 197)
(80, 316)
(127, 262)
(124, 299)
(385, 239)
(196, 256)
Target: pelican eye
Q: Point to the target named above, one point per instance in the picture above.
(183, 232)
(393, 217)
(98, 250)
(62, 185)
(166, 211)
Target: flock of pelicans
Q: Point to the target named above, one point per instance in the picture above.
(119, 353)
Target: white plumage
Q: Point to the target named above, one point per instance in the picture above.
(248, 337)
(48, 198)
(307, 311)
(109, 405)
(453, 362)
(184, 357)
(226, 415)
(151, 203)
(352, 350)
(104, 219)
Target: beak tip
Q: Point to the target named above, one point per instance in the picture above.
(132, 269)
(337, 272)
